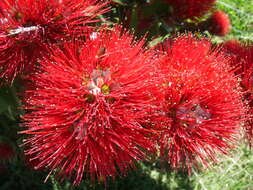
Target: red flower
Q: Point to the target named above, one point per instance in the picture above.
(246, 64)
(233, 46)
(190, 9)
(6, 152)
(27, 26)
(241, 58)
(219, 23)
(236, 51)
(89, 101)
(202, 104)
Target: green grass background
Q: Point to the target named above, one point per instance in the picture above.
(241, 15)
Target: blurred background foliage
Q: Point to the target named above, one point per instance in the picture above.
(152, 19)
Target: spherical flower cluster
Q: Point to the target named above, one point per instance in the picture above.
(86, 106)
(219, 23)
(246, 72)
(241, 58)
(202, 103)
(28, 26)
(190, 9)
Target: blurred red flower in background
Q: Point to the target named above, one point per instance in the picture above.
(190, 9)
(219, 23)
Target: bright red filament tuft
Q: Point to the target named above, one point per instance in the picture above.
(27, 27)
(202, 104)
(85, 116)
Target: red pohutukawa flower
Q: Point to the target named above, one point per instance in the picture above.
(233, 46)
(27, 26)
(246, 64)
(241, 57)
(236, 51)
(87, 104)
(202, 103)
(219, 23)
(190, 9)
(247, 67)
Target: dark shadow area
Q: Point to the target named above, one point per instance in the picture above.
(17, 176)
(140, 179)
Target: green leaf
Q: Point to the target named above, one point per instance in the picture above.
(6, 99)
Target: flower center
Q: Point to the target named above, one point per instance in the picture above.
(192, 115)
(98, 83)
